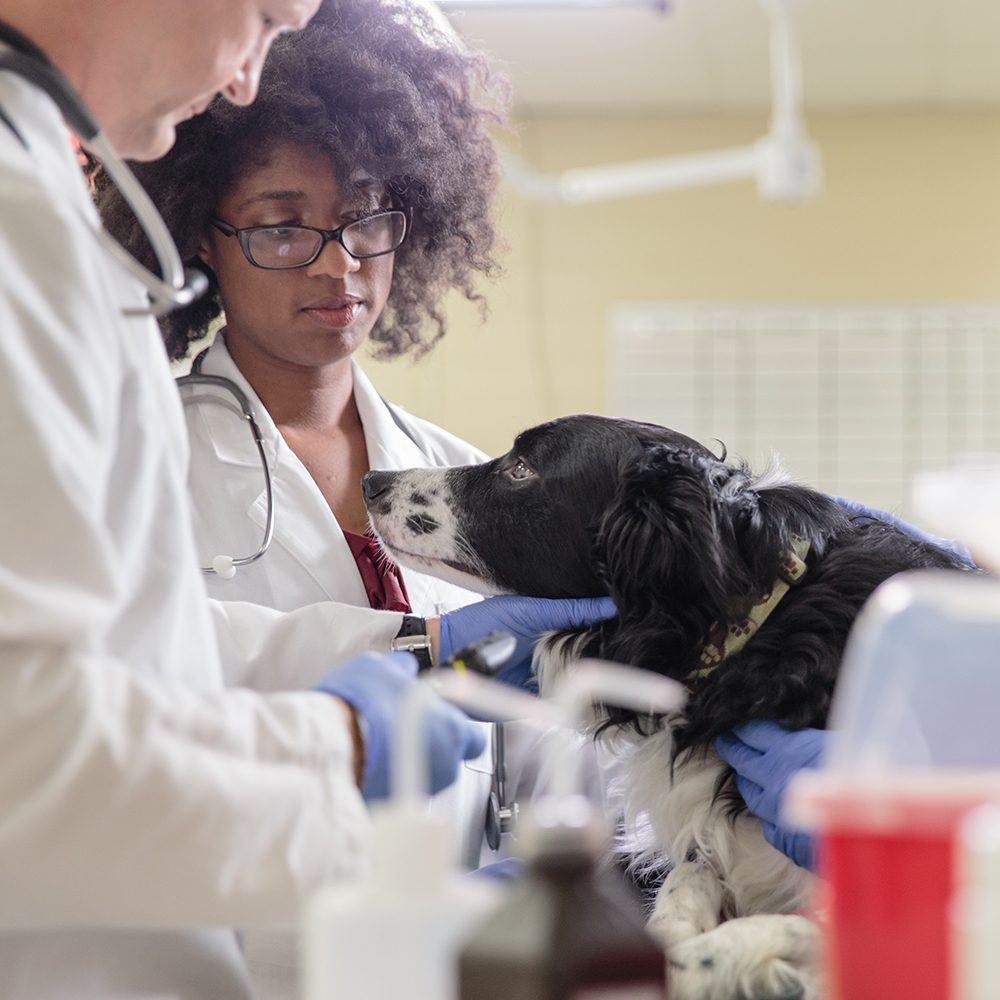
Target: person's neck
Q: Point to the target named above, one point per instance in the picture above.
(66, 31)
(296, 397)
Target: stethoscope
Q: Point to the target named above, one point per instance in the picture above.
(178, 286)
(223, 565)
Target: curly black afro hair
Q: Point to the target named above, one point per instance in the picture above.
(376, 84)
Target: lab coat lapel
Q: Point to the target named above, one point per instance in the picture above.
(231, 441)
(304, 526)
(390, 447)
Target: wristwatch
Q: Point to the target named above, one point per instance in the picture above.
(412, 638)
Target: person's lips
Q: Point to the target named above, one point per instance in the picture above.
(194, 110)
(334, 313)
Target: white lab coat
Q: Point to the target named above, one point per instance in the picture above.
(308, 562)
(309, 559)
(141, 803)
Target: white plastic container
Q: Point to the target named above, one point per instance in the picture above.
(917, 714)
(962, 502)
(394, 934)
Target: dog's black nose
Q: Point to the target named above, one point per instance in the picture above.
(374, 484)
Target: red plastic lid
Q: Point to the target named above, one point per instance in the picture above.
(910, 802)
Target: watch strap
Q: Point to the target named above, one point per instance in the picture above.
(412, 638)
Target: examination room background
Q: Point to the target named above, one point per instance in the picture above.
(908, 216)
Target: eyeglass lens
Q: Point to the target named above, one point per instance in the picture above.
(291, 246)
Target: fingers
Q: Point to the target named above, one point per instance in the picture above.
(760, 735)
(475, 740)
(738, 755)
(452, 738)
(754, 796)
(406, 662)
(593, 609)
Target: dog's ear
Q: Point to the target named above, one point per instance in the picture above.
(662, 543)
(764, 514)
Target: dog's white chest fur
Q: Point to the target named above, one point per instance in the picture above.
(722, 868)
(686, 822)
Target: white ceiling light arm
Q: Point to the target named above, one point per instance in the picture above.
(784, 163)
(789, 164)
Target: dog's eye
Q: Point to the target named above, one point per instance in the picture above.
(519, 470)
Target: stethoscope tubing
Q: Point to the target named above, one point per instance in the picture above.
(246, 412)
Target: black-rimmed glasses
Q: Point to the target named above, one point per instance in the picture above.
(278, 247)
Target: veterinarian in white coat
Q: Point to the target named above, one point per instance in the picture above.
(141, 803)
(309, 561)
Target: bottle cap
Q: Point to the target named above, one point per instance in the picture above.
(559, 824)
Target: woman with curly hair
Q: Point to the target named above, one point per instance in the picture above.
(338, 208)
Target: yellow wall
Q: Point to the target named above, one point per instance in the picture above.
(910, 211)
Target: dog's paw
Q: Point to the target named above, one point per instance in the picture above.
(765, 957)
(687, 904)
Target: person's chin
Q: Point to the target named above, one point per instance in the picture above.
(351, 329)
(144, 141)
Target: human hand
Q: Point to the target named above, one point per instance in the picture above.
(375, 686)
(859, 511)
(507, 870)
(525, 618)
(764, 756)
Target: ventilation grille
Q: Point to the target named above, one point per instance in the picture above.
(854, 400)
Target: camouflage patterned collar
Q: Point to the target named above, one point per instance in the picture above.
(724, 642)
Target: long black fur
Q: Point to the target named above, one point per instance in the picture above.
(683, 540)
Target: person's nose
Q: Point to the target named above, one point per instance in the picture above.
(242, 89)
(335, 261)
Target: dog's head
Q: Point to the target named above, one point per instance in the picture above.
(590, 505)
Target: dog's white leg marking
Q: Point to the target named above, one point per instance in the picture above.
(689, 903)
(764, 957)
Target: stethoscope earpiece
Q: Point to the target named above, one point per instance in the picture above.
(224, 566)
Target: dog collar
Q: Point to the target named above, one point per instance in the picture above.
(723, 642)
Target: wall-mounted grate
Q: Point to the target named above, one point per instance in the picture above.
(854, 400)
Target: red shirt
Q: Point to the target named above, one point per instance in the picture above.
(382, 578)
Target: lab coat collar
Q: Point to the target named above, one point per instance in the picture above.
(231, 442)
(389, 446)
(40, 124)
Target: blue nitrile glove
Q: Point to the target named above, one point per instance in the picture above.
(765, 756)
(525, 618)
(507, 870)
(375, 685)
(949, 545)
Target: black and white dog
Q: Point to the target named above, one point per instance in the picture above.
(742, 587)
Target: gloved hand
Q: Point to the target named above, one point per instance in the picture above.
(525, 618)
(765, 756)
(507, 870)
(857, 510)
(375, 685)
